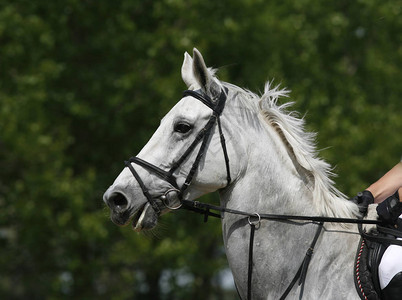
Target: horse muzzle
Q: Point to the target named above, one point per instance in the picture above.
(143, 216)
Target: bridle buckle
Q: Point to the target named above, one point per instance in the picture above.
(166, 200)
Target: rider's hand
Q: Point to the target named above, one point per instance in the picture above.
(390, 209)
(363, 199)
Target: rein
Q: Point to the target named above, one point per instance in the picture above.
(205, 209)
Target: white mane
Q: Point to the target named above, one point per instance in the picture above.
(328, 200)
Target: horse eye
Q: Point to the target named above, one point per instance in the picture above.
(182, 127)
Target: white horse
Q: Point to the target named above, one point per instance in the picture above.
(269, 165)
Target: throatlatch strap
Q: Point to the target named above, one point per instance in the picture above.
(225, 152)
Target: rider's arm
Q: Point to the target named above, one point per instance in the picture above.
(388, 184)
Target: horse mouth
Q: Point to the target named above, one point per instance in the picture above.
(144, 218)
(139, 218)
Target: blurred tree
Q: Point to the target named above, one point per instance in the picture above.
(83, 85)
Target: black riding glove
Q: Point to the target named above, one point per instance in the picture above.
(390, 209)
(363, 199)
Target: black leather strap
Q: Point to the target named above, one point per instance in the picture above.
(200, 96)
(225, 152)
(143, 188)
(250, 261)
(381, 239)
(301, 274)
(158, 171)
(202, 207)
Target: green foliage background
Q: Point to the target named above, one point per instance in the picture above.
(83, 84)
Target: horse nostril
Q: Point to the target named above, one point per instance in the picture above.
(118, 202)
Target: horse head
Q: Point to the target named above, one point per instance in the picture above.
(184, 159)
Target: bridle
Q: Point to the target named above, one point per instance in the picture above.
(216, 105)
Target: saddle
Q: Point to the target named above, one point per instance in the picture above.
(368, 258)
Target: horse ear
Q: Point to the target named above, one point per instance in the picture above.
(187, 73)
(203, 76)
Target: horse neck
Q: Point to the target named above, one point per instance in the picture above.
(268, 184)
(270, 181)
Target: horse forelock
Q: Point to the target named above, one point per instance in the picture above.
(301, 147)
